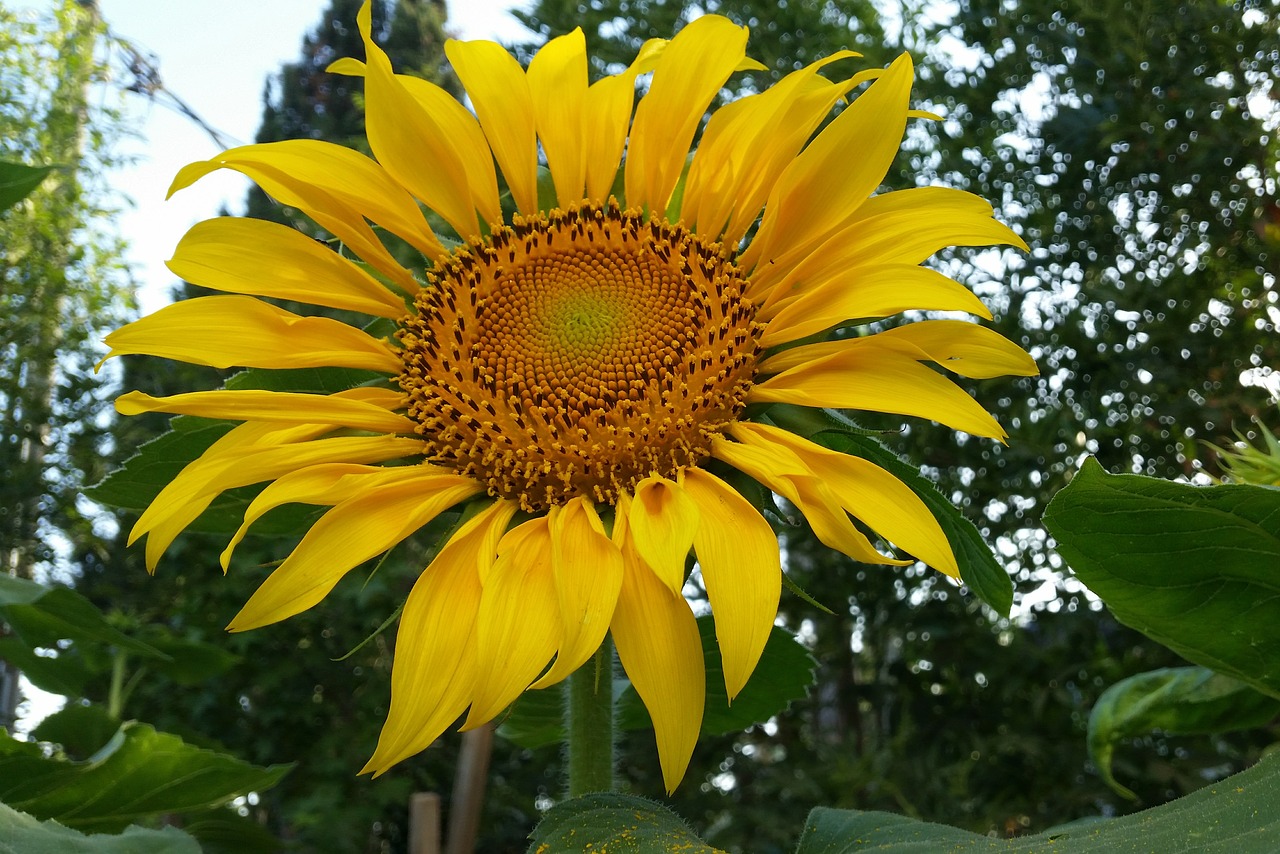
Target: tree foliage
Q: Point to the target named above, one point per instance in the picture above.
(1125, 148)
(62, 284)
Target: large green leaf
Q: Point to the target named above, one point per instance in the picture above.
(17, 181)
(1177, 700)
(783, 675)
(139, 773)
(615, 823)
(979, 568)
(1236, 816)
(42, 616)
(24, 834)
(80, 729)
(1196, 568)
(135, 485)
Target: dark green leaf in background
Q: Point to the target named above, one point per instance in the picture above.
(138, 774)
(24, 834)
(1235, 816)
(979, 568)
(17, 181)
(42, 616)
(783, 675)
(620, 824)
(60, 674)
(1196, 568)
(1177, 700)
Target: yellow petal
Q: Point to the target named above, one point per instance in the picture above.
(784, 473)
(902, 227)
(335, 186)
(518, 628)
(865, 293)
(558, 84)
(433, 673)
(748, 143)
(694, 66)
(588, 575)
(657, 640)
(908, 226)
(608, 117)
(876, 376)
(260, 258)
(823, 186)
(870, 493)
(248, 455)
(235, 331)
(738, 553)
(278, 406)
(371, 521)
(319, 484)
(413, 144)
(663, 521)
(500, 94)
(966, 349)
(455, 126)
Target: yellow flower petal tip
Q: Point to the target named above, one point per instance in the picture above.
(588, 365)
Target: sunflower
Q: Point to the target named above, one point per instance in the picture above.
(575, 376)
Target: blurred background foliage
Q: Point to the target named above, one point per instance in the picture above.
(1133, 146)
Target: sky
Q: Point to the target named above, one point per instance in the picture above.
(216, 57)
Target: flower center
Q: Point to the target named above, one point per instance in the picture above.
(575, 353)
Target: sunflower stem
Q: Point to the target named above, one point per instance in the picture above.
(588, 712)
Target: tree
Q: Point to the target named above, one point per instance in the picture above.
(62, 284)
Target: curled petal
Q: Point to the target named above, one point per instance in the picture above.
(738, 553)
(370, 522)
(433, 674)
(588, 575)
(657, 640)
(518, 628)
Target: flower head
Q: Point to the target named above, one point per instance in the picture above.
(573, 375)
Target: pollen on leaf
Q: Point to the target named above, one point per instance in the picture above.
(577, 352)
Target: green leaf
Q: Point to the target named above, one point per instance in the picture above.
(42, 616)
(783, 675)
(979, 568)
(614, 823)
(1177, 700)
(17, 181)
(139, 773)
(222, 831)
(60, 674)
(135, 485)
(190, 662)
(24, 834)
(536, 719)
(1196, 568)
(81, 729)
(1235, 816)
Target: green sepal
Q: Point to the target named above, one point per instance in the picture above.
(979, 569)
